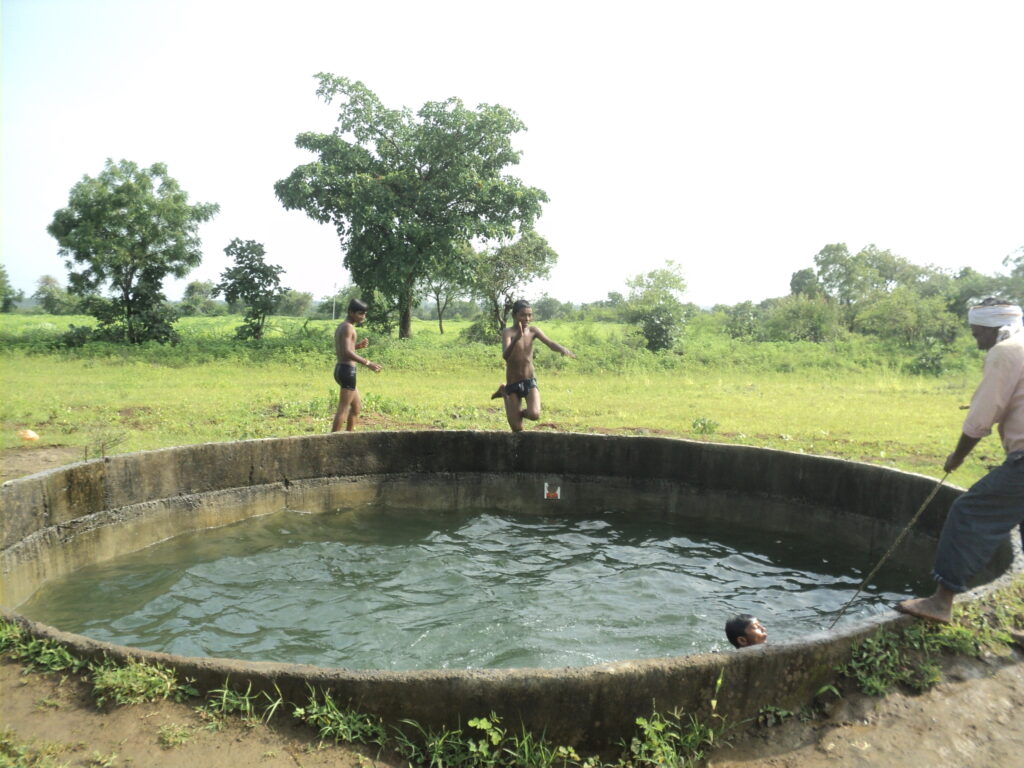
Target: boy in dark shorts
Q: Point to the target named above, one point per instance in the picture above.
(345, 347)
(520, 382)
(744, 630)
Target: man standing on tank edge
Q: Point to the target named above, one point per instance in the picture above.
(980, 520)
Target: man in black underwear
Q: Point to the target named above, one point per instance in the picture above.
(345, 347)
(517, 350)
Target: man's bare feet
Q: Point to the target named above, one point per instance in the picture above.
(499, 393)
(935, 608)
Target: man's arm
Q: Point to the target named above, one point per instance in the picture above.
(348, 349)
(550, 344)
(963, 447)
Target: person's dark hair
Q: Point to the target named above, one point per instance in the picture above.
(736, 627)
(519, 306)
(357, 306)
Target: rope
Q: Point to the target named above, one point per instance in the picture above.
(895, 544)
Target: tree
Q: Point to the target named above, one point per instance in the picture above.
(742, 320)
(335, 306)
(405, 190)
(8, 296)
(805, 283)
(1012, 287)
(53, 298)
(295, 304)
(907, 318)
(799, 318)
(548, 308)
(654, 303)
(450, 281)
(499, 274)
(198, 299)
(129, 227)
(254, 283)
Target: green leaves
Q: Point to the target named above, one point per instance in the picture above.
(655, 305)
(252, 282)
(123, 232)
(405, 190)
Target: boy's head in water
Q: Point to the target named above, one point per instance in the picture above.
(744, 629)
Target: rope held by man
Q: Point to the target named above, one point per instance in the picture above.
(895, 544)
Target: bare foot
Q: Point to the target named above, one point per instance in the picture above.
(499, 393)
(932, 608)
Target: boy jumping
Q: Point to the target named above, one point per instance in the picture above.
(517, 351)
(345, 347)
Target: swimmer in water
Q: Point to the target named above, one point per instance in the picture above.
(744, 630)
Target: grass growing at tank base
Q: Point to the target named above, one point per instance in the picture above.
(909, 658)
(877, 665)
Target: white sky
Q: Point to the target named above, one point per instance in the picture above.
(734, 138)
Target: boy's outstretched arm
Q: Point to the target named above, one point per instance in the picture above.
(552, 345)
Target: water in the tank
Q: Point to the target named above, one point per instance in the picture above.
(380, 589)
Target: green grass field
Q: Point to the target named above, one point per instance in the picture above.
(835, 402)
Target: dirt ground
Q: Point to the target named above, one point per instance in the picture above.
(973, 719)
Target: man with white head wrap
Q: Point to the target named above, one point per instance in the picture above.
(980, 520)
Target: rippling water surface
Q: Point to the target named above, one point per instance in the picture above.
(378, 589)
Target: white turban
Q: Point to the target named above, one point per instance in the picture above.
(1005, 317)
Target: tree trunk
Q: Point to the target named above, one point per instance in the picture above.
(405, 320)
(405, 311)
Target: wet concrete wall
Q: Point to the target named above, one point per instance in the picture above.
(57, 521)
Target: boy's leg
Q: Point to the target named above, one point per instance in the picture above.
(344, 403)
(532, 411)
(513, 412)
(354, 410)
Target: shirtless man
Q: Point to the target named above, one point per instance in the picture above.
(517, 350)
(345, 347)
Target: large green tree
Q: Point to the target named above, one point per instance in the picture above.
(853, 278)
(404, 190)
(123, 232)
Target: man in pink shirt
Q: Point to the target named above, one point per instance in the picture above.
(980, 519)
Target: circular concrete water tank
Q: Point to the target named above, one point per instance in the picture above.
(57, 521)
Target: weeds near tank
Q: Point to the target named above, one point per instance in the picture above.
(339, 724)
(173, 735)
(675, 741)
(702, 425)
(34, 653)
(10, 635)
(14, 752)
(253, 708)
(769, 716)
(911, 658)
(134, 682)
(103, 442)
(99, 760)
(487, 744)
